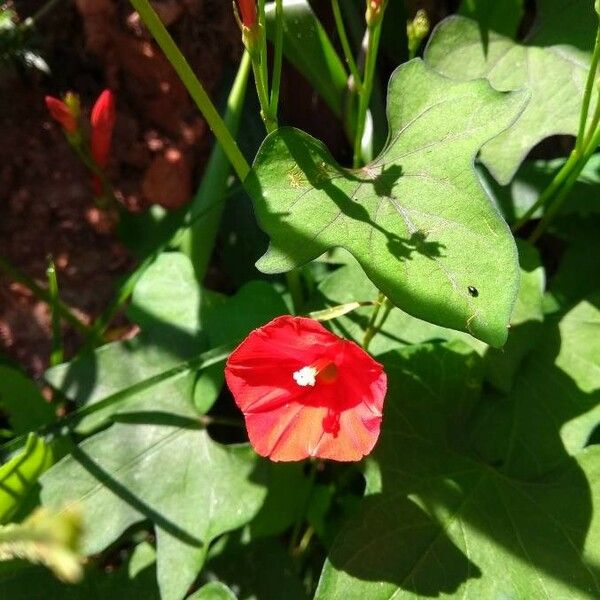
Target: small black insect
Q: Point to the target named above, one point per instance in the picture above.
(473, 291)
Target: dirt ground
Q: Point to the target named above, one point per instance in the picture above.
(160, 147)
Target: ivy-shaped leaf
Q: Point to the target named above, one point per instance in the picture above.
(555, 76)
(162, 467)
(416, 218)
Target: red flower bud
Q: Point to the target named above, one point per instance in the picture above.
(61, 112)
(248, 10)
(103, 122)
(306, 392)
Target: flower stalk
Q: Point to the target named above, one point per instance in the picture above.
(193, 86)
(374, 19)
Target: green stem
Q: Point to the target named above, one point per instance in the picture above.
(197, 240)
(293, 545)
(386, 313)
(206, 202)
(371, 330)
(593, 126)
(562, 194)
(374, 35)
(193, 86)
(589, 86)
(263, 96)
(56, 352)
(42, 294)
(278, 57)
(341, 29)
(295, 287)
(545, 196)
(125, 290)
(65, 424)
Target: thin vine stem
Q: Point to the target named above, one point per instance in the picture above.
(370, 331)
(67, 423)
(193, 86)
(277, 63)
(341, 30)
(374, 35)
(552, 188)
(56, 352)
(589, 86)
(65, 312)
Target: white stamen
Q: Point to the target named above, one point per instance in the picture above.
(306, 376)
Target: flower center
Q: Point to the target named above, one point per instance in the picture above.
(305, 376)
(323, 369)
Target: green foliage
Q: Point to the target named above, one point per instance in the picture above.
(443, 520)
(485, 480)
(554, 75)
(22, 401)
(19, 474)
(415, 218)
(205, 489)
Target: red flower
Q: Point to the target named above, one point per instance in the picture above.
(248, 10)
(306, 392)
(103, 121)
(62, 113)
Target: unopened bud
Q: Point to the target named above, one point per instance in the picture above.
(374, 13)
(417, 30)
(248, 24)
(63, 113)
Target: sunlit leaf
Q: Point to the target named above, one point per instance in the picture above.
(554, 75)
(416, 218)
(20, 473)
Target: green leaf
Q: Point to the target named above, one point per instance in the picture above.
(525, 321)
(416, 218)
(554, 75)
(204, 489)
(46, 538)
(578, 273)
(533, 177)
(440, 522)
(308, 47)
(259, 570)
(20, 473)
(168, 296)
(501, 16)
(213, 591)
(559, 384)
(21, 399)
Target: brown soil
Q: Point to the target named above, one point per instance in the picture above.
(160, 146)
